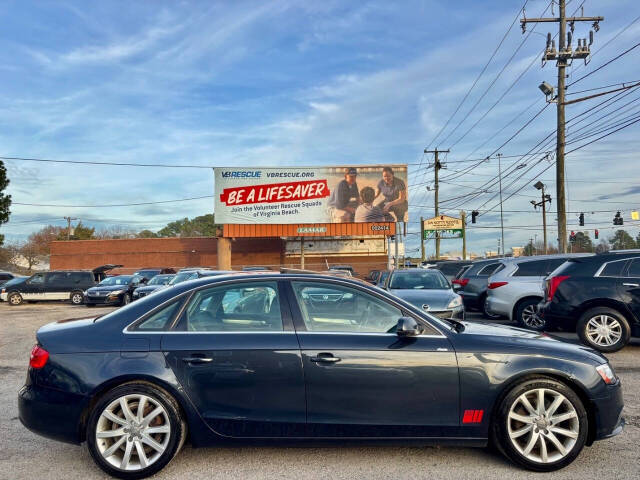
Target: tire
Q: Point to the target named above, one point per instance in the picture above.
(76, 298)
(527, 317)
(533, 441)
(168, 435)
(14, 299)
(604, 329)
(126, 300)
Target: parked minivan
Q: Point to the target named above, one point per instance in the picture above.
(54, 285)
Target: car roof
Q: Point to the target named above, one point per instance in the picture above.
(544, 257)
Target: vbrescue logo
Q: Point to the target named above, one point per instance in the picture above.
(242, 174)
(312, 229)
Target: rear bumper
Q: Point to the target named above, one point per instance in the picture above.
(499, 306)
(608, 413)
(51, 413)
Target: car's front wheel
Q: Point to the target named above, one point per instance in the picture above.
(541, 424)
(135, 430)
(77, 298)
(15, 299)
(604, 329)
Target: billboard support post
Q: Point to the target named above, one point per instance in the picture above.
(463, 217)
(224, 253)
(422, 255)
(302, 253)
(396, 256)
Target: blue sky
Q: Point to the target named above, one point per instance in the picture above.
(291, 83)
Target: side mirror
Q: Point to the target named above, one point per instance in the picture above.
(408, 327)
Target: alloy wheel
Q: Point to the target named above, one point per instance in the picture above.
(76, 299)
(133, 432)
(15, 299)
(543, 425)
(604, 330)
(531, 318)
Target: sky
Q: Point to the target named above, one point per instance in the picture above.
(252, 83)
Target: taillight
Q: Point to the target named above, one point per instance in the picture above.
(553, 284)
(493, 285)
(39, 357)
(461, 281)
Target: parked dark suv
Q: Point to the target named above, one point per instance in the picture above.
(54, 285)
(598, 297)
(472, 284)
(5, 277)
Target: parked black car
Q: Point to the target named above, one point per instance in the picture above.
(450, 268)
(116, 290)
(290, 357)
(150, 272)
(159, 281)
(5, 277)
(598, 297)
(54, 285)
(472, 284)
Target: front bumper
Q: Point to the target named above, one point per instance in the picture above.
(51, 413)
(608, 413)
(3, 296)
(455, 313)
(94, 300)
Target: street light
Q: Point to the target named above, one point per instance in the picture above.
(548, 90)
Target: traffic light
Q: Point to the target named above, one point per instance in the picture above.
(596, 233)
(617, 220)
(572, 236)
(581, 219)
(474, 214)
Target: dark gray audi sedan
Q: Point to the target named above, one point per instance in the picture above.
(294, 357)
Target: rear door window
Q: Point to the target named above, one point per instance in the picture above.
(554, 263)
(489, 270)
(537, 268)
(634, 268)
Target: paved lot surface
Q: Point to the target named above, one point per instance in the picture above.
(25, 455)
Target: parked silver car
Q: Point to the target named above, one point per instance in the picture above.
(515, 290)
(427, 289)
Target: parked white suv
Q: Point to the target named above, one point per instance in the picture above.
(515, 290)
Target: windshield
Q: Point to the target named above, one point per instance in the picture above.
(418, 280)
(182, 276)
(119, 280)
(160, 280)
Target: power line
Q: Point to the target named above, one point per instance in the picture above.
(118, 164)
(604, 64)
(113, 204)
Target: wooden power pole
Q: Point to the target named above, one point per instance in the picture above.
(563, 56)
(436, 167)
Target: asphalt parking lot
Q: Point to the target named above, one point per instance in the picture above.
(26, 455)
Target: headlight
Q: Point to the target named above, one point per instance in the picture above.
(456, 302)
(606, 372)
(115, 293)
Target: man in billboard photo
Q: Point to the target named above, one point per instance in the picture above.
(367, 211)
(345, 198)
(394, 192)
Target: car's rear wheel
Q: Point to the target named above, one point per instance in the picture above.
(135, 430)
(604, 329)
(15, 299)
(77, 298)
(526, 314)
(541, 424)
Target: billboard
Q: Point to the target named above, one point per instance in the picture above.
(447, 227)
(302, 195)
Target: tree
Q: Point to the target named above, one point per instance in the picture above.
(621, 240)
(202, 226)
(602, 247)
(115, 231)
(582, 243)
(5, 200)
(147, 234)
(80, 232)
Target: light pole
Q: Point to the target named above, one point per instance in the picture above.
(545, 198)
(501, 216)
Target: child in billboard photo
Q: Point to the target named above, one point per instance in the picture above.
(345, 198)
(394, 192)
(367, 211)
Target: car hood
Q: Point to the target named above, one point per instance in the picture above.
(108, 288)
(436, 299)
(524, 341)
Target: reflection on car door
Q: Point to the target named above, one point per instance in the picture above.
(237, 357)
(629, 287)
(362, 380)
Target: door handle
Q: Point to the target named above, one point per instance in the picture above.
(197, 360)
(631, 285)
(325, 358)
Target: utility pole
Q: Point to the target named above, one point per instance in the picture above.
(501, 215)
(68, 219)
(422, 253)
(563, 56)
(463, 216)
(436, 167)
